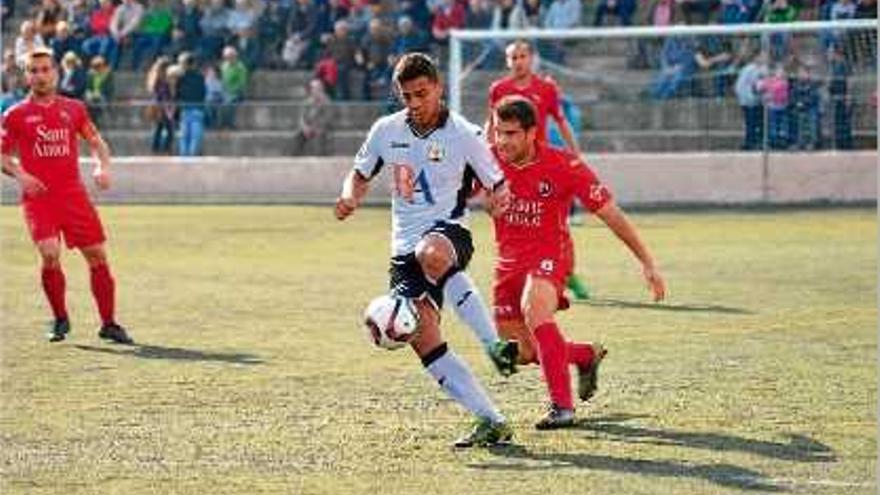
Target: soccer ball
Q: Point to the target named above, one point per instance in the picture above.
(391, 321)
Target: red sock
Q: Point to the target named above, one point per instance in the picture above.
(54, 285)
(554, 364)
(104, 288)
(579, 354)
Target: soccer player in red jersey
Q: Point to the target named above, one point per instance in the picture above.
(544, 94)
(533, 261)
(44, 131)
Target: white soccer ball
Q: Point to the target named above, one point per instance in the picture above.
(391, 321)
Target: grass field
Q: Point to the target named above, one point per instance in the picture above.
(252, 374)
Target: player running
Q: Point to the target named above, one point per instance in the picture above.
(533, 262)
(544, 94)
(44, 131)
(435, 155)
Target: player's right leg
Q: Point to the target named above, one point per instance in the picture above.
(443, 254)
(54, 287)
(457, 380)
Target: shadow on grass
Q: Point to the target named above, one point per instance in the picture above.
(146, 351)
(798, 448)
(684, 308)
(726, 475)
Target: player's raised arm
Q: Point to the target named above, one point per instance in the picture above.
(367, 164)
(617, 221)
(100, 151)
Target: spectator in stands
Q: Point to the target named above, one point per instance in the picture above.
(213, 96)
(714, 57)
(214, 25)
(161, 108)
(27, 40)
(562, 14)
(677, 67)
(7, 7)
(190, 97)
(306, 24)
(78, 18)
(188, 22)
(698, 11)
(327, 72)
(63, 42)
(780, 11)
(49, 14)
(126, 19)
(409, 38)
(12, 80)
(418, 11)
(313, 135)
(100, 88)
(622, 9)
(73, 77)
(838, 93)
(738, 11)
(336, 10)
(508, 14)
(374, 58)
(343, 48)
(153, 34)
(234, 75)
(806, 117)
(749, 99)
(101, 42)
(271, 27)
(661, 14)
(775, 93)
(243, 26)
(448, 15)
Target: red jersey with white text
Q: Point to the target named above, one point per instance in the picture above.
(46, 137)
(541, 91)
(535, 226)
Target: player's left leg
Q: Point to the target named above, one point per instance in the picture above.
(103, 287)
(539, 303)
(54, 286)
(443, 254)
(457, 380)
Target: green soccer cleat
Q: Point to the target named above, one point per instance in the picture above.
(556, 417)
(486, 433)
(588, 375)
(115, 333)
(577, 287)
(59, 330)
(503, 355)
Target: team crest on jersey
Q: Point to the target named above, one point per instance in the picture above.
(435, 151)
(545, 189)
(64, 116)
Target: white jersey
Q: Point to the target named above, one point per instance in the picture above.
(443, 162)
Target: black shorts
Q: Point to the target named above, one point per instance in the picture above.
(407, 278)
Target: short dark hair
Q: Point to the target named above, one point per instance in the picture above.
(413, 66)
(519, 109)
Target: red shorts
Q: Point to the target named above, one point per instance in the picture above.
(70, 214)
(509, 285)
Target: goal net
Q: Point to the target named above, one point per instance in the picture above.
(794, 86)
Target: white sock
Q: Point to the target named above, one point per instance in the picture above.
(460, 383)
(465, 299)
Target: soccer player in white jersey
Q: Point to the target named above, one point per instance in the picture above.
(435, 155)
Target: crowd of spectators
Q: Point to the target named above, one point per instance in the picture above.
(351, 45)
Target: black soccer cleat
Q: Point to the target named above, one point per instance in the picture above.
(115, 333)
(59, 330)
(503, 355)
(556, 417)
(486, 433)
(588, 376)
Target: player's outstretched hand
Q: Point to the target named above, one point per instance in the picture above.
(30, 185)
(655, 282)
(101, 178)
(498, 202)
(344, 207)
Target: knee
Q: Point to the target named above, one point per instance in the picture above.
(51, 258)
(95, 256)
(435, 258)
